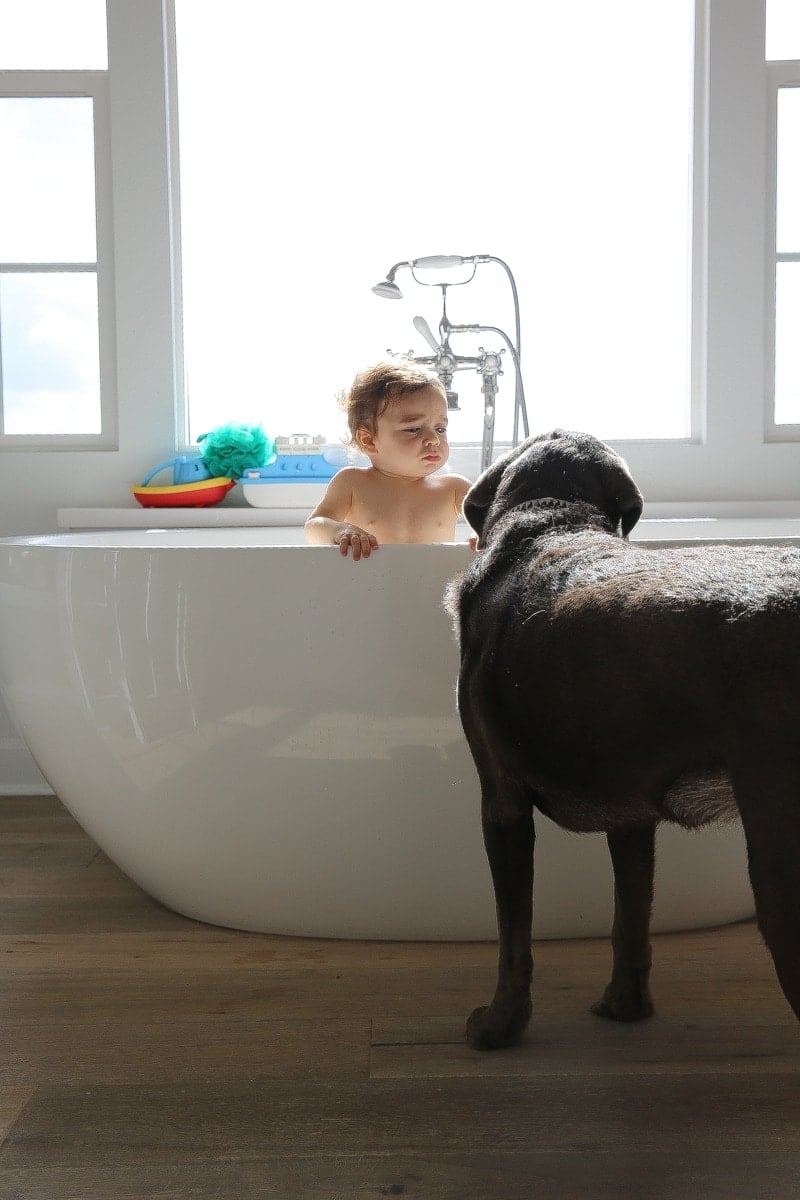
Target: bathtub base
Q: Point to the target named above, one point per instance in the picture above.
(463, 909)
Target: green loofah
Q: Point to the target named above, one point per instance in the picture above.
(230, 449)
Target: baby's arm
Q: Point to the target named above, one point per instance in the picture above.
(462, 486)
(328, 525)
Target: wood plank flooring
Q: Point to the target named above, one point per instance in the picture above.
(144, 1056)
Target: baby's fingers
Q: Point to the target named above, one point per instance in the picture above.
(361, 543)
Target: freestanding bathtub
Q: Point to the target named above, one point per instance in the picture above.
(265, 736)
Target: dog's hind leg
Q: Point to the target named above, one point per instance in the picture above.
(768, 797)
(627, 996)
(509, 841)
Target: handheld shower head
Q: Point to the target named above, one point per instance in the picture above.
(388, 289)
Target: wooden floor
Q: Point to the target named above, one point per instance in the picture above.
(144, 1055)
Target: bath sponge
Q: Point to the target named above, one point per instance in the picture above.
(230, 449)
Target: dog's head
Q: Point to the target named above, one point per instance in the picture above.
(558, 465)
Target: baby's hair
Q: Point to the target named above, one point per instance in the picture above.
(375, 387)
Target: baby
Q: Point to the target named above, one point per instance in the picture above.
(397, 415)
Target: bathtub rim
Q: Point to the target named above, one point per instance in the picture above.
(173, 534)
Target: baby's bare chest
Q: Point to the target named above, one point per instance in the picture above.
(427, 517)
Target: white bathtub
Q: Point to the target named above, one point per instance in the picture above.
(264, 736)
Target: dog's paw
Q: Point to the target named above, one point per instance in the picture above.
(621, 1004)
(490, 1029)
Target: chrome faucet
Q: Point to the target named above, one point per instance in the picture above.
(445, 362)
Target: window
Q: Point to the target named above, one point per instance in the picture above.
(51, 35)
(787, 264)
(783, 49)
(782, 29)
(48, 268)
(318, 153)
(52, 355)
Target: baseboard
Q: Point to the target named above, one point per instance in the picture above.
(25, 789)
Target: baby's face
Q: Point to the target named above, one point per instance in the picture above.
(411, 435)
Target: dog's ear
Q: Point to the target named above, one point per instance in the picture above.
(479, 498)
(631, 513)
(623, 498)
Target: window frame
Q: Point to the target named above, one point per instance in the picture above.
(781, 73)
(92, 85)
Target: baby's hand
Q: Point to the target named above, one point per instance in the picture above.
(358, 540)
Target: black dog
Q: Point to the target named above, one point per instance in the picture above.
(613, 686)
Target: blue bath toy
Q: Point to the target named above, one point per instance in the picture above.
(186, 468)
(300, 458)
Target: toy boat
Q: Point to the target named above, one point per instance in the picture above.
(192, 485)
(287, 480)
(183, 495)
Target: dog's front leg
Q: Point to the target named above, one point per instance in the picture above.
(627, 997)
(509, 840)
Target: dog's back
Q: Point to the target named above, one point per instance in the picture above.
(617, 678)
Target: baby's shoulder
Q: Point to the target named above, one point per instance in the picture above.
(348, 478)
(458, 484)
(451, 489)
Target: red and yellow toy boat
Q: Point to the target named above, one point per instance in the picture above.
(192, 485)
(184, 495)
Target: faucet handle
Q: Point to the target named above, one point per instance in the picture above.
(422, 326)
